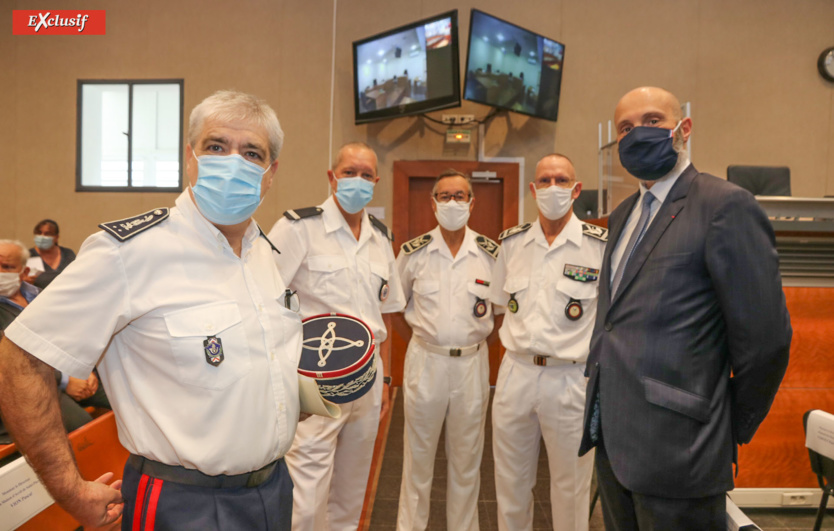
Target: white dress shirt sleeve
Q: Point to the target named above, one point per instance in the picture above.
(497, 295)
(95, 284)
(287, 237)
(396, 299)
(406, 275)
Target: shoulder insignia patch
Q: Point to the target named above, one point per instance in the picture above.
(416, 244)
(489, 246)
(594, 231)
(301, 213)
(127, 228)
(518, 229)
(381, 227)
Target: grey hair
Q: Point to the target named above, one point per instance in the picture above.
(229, 105)
(24, 252)
(453, 173)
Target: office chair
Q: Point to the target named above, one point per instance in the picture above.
(819, 427)
(761, 180)
(585, 206)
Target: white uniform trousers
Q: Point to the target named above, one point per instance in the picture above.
(532, 402)
(330, 461)
(438, 387)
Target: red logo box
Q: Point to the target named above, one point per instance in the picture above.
(60, 22)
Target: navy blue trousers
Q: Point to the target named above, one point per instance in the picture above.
(624, 510)
(154, 504)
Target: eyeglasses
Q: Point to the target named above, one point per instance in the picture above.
(459, 197)
(291, 300)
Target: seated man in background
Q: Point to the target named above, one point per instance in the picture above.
(15, 294)
(48, 258)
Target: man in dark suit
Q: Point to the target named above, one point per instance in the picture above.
(690, 295)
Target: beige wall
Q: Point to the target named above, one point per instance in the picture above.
(748, 67)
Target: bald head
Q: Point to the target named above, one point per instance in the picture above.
(647, 106)
(354, 148)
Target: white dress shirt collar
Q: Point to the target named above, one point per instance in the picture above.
(438, 244)
(207, 229)
(571, 232)
(334, 220)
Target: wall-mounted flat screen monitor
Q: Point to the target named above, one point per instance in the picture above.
(412, 69)
(512, 68)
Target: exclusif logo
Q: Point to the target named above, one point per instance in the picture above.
(61, 22)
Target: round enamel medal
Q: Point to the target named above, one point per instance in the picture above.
(513, 304)
(480, 308)
(573, 310)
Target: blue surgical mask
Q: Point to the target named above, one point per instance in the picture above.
(649, 153)
(44, 242)
(228, 188)
(354, 193)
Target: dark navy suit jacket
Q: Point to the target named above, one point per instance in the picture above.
(701, 298)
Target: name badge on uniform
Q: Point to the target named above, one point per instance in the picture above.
(480, 308)
(573, 310)
(384, 290)
(213, 347)
(513, 304)
(581, 273)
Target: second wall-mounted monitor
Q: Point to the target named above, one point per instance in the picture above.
(412, 69)
(512, 68)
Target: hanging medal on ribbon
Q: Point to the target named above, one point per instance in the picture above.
(480, 308)
(513, 304)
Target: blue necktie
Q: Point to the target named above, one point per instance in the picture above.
(639, 230)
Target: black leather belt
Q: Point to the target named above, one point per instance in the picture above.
(195, 478)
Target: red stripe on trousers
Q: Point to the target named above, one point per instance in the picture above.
(150, 517)
(140, 501)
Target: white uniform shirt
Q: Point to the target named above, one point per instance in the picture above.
(442, 291)
(534, 274)
(333, 272)
(148, 304)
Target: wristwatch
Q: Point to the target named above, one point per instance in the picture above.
(386, 380)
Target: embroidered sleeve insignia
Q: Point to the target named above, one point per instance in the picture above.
(490, 247)
(381, 227)
(594, 231)
(416, 244)
(301, 213)
(518, 229)
(124, 229)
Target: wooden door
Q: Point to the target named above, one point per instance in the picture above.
(496, 208)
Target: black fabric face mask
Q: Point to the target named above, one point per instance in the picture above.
(648, 153)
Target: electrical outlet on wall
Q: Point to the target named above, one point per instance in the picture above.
(796, 499)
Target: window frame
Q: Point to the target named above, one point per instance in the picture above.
(79, 187)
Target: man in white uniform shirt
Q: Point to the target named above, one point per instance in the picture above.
(339, 259)
(183, 311)
(446, 275)
(546, 276)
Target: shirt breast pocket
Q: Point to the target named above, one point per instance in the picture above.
(426, 295)
(379, 275)
(516, 287)
(330, 279)
(189, 329)
(573, 289)
(479, 294)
